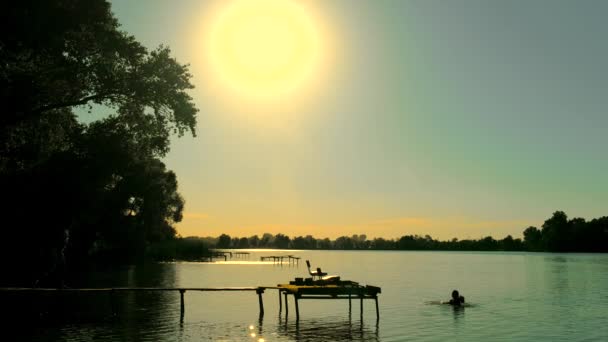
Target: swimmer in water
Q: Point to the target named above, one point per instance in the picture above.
(457, 299)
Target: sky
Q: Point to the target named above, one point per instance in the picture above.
(461, 118)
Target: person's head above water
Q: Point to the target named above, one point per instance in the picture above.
(457, 299)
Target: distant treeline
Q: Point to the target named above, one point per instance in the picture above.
(557, 234)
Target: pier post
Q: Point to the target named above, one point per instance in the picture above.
(361, 306)
(377, 310)
(182, 305)
(286, 305)
(350, 305)
(113, 302)
(280, 303)
(259, 291)
(295, 296)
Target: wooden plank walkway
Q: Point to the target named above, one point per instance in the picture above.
(259, 290)
(299, 292)
(37, 289)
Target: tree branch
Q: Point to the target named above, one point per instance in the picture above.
(73, 103)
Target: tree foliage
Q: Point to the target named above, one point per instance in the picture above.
(533, 239)
(79, 192)
(66, 53)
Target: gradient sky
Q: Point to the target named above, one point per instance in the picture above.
(451, 118)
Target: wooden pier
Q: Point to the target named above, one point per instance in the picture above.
(341, 290)
(259, 290)
(276, 259)
(221, 254)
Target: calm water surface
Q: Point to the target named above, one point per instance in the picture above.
(513, 297)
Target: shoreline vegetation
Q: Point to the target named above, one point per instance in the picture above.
(557, 234)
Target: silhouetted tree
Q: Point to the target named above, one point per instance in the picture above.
(380, 243)
(488, 244)
(360, 241)
(62, 54)
(281, 241)
(408, 242)
(311, 242)
(595, 235)
(85, 190)
(298, 242)
(243, 243)
(556, 233)
(324, 243)
(533, 239)
(254, 241)
(224, 241)
(267, 240)
(343, 242)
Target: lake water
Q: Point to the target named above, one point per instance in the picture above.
(513, 297)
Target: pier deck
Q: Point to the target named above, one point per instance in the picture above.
(340, 290)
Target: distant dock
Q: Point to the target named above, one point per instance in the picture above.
(278, 259)
(241, 254)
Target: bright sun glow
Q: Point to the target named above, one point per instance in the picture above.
(264, 48)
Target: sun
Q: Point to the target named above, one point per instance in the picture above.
(264, 48)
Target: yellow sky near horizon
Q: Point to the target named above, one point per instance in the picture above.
(445, 228)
